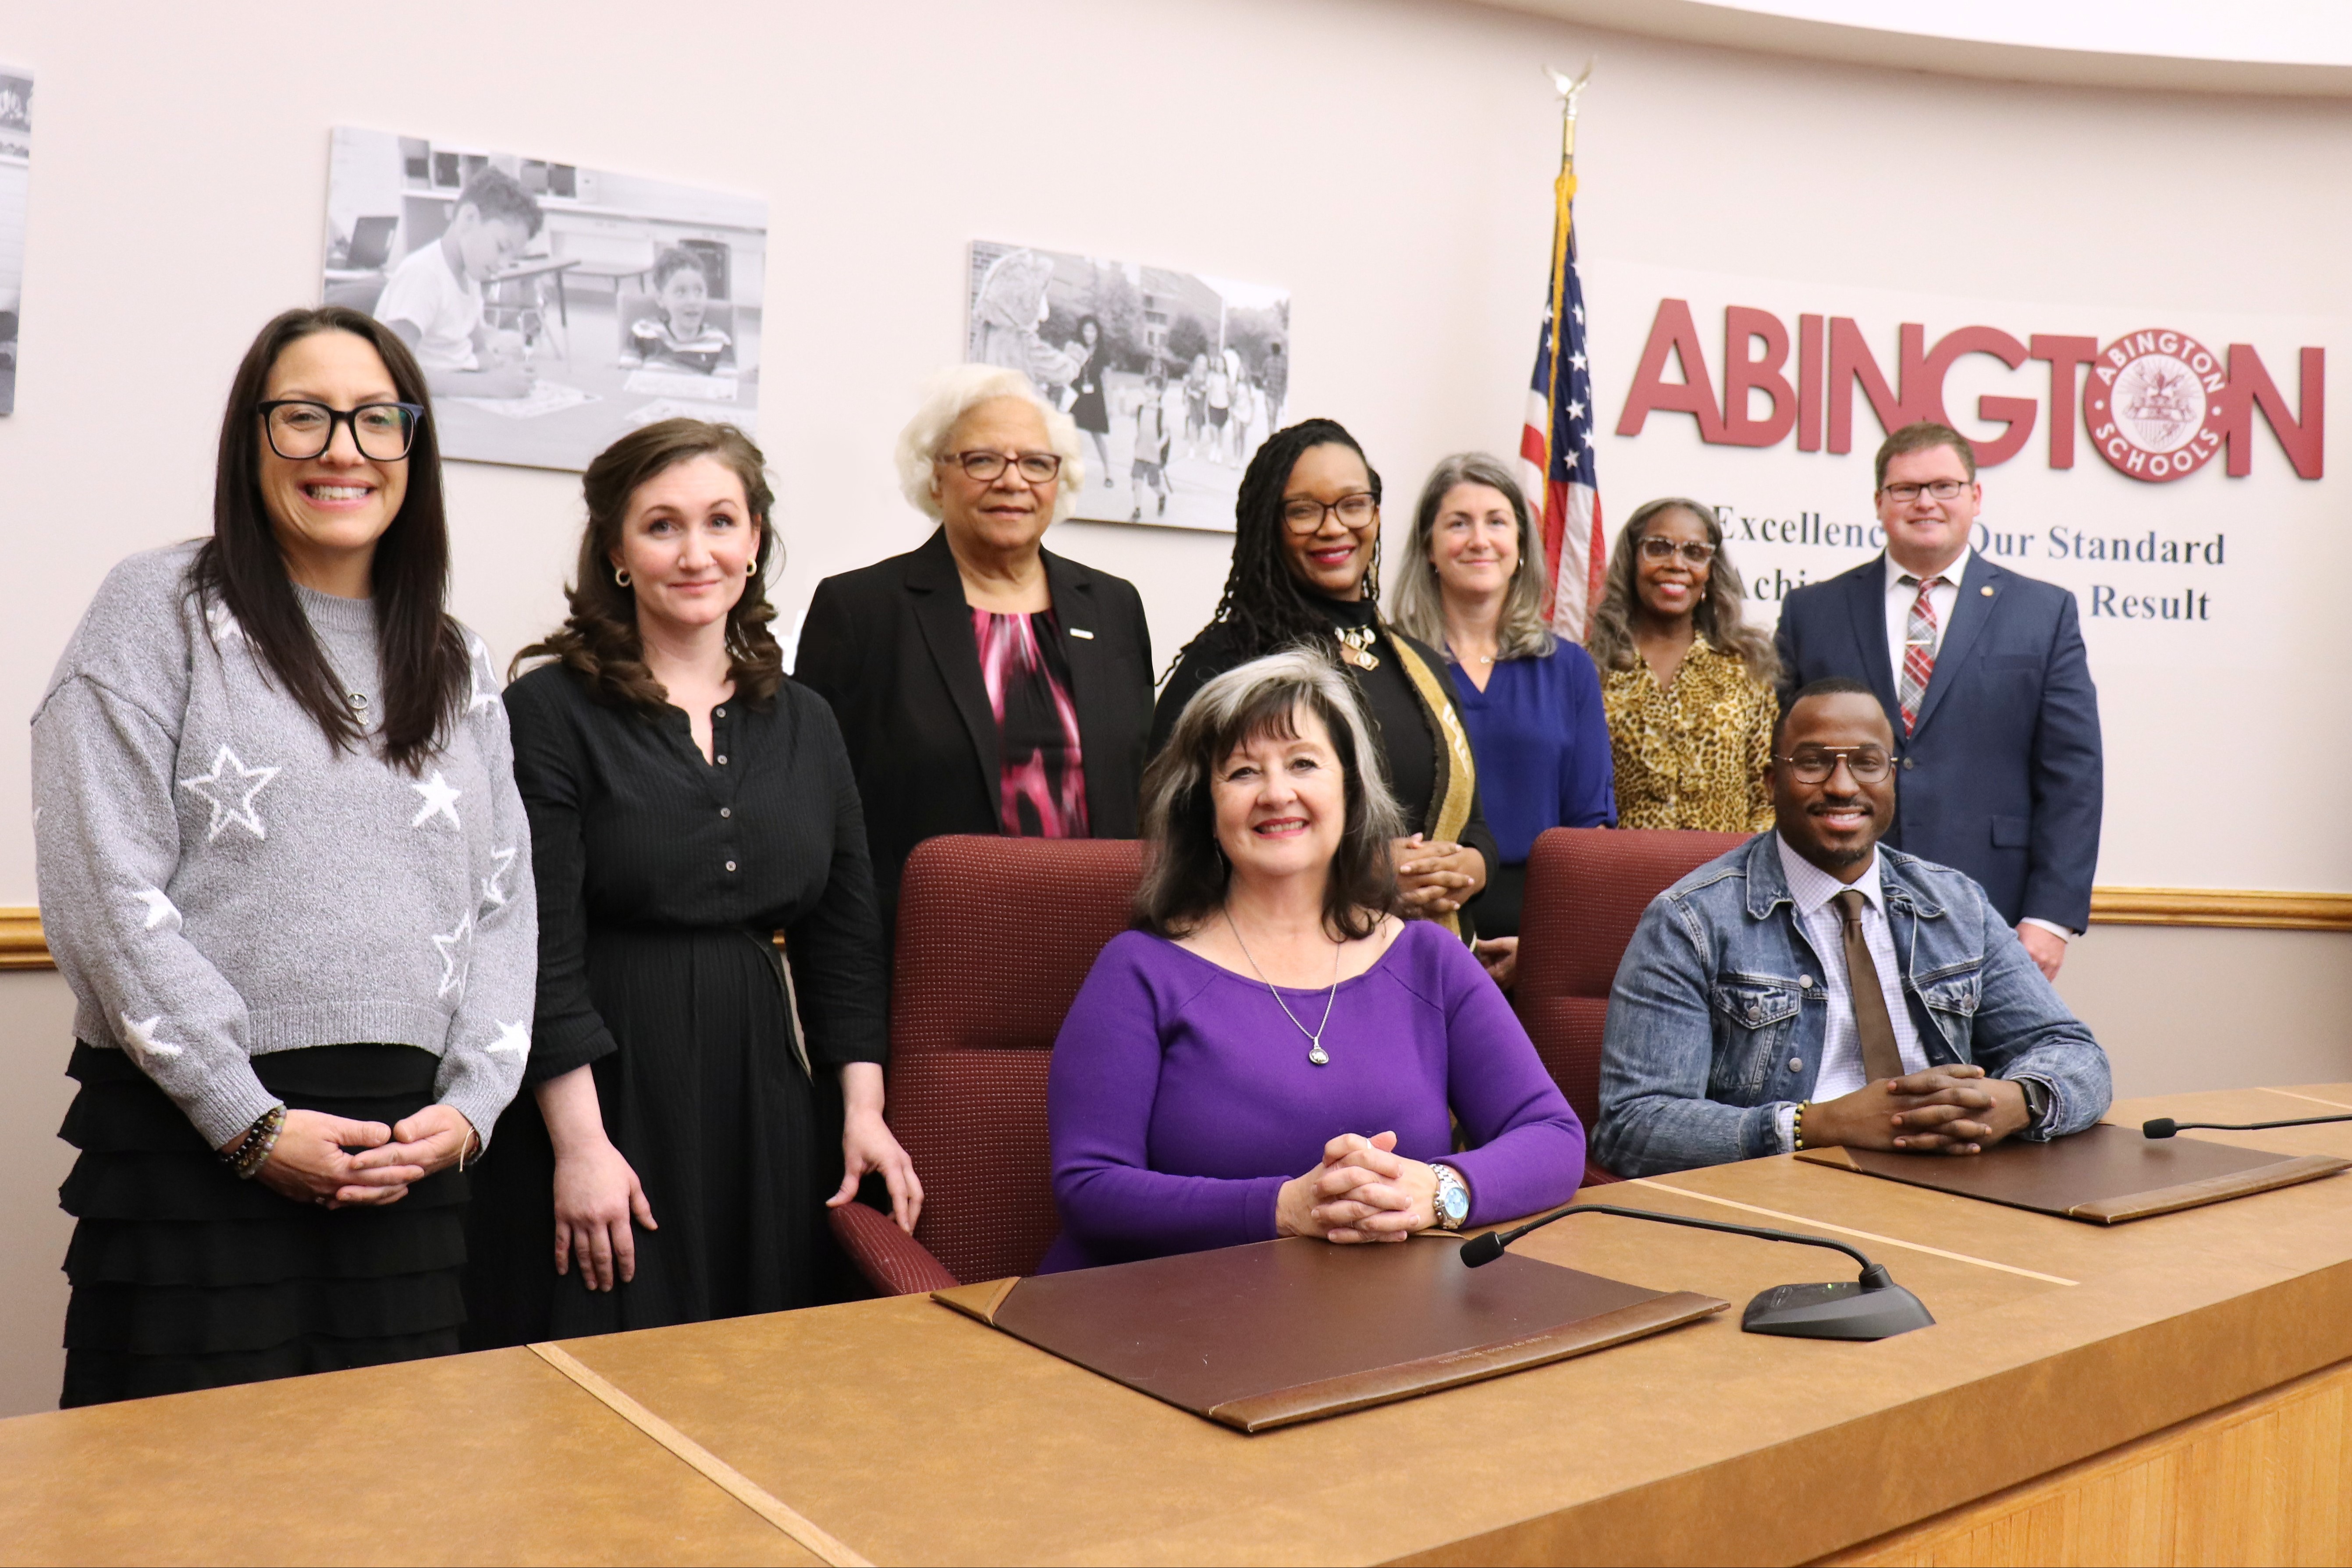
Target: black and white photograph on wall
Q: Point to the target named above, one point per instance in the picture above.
(16, 177)
(553, 308)
(1174, 378)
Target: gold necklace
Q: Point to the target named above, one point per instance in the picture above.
(1356, 646)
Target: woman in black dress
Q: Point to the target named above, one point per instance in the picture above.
(1307, 540)
(1091, 410)
(687, 802)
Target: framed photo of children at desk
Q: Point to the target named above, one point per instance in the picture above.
(553, 308)
(1175, 379)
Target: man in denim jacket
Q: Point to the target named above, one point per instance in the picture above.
(1733, 1032)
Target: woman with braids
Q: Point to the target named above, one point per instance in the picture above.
(1307, 540)
(1687, 688)
(687, 802)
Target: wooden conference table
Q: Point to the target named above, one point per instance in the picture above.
(2177, 1389)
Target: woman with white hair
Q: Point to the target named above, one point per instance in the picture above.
(983, 683)
(1275, 1051)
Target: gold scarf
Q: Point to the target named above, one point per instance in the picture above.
(1457, 783)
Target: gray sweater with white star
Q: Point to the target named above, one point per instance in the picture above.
(218, 881)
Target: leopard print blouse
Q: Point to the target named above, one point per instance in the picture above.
(1692, 755)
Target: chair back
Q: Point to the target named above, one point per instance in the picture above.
(1587, 888)
(996, 936)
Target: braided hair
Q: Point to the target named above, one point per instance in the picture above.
(1264, 603)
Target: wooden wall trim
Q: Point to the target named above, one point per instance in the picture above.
(2221, 907)
(21, 946)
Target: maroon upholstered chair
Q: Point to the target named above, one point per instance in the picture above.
(996, 936)
(1587, 888)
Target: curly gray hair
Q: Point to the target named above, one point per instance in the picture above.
(955, 391)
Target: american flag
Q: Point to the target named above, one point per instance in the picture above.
(1557, 444)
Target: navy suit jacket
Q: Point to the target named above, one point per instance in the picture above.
(2002, 778)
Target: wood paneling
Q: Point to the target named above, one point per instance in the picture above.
(2263, 1480)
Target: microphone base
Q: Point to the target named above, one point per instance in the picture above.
(1835, 1311)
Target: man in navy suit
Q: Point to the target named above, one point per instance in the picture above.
(1983, 675)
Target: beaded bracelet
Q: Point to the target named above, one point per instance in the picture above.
(248, 1158)
(1796, 1125)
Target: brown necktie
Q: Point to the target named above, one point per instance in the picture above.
(1880, 1059)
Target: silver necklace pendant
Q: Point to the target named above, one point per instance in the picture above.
(1315, 1052)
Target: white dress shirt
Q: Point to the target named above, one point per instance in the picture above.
(1945, 598)
(1840, 1070)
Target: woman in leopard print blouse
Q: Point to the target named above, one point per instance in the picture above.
(1687, 688)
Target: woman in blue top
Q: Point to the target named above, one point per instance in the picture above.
(1532, 702)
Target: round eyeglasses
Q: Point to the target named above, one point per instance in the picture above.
(1038, 468)
(1814, 764)
(1305, 514)
(299, 430)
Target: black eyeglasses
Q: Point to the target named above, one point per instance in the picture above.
(1305, 514)
(1695, 552)
(1942, 490)
(985, 467)
(1814, 764)
(299, 430)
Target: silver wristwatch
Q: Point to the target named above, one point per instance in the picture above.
(1452, 1198)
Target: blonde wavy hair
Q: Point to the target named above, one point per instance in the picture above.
(1417, 606)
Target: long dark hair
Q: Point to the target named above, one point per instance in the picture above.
(1265, 604)
(599, 639)
(1717, 616)
(419, 652)
(1184, 881)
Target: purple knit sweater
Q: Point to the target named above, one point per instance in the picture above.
(1181, 1098)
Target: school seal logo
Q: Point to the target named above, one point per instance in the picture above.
(2152, 405)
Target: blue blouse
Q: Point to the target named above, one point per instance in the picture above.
(1541, 741)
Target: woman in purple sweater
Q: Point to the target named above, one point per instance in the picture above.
(1275, 1051)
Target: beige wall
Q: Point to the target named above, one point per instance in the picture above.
(1390, 161)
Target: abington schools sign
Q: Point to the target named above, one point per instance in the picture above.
(2156, 404)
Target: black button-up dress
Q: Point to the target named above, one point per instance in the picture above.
(661, 879)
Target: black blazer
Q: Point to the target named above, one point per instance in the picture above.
(890, 648)
(2003, 777)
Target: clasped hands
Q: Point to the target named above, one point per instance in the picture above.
(1436, 876)
(1951, 1109)
(313, 1160)
(1362, 1191)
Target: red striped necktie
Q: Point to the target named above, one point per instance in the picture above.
(1918, 651)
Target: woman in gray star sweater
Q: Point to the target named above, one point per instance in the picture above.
(284, 867)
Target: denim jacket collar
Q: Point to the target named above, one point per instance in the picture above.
(1768, 885)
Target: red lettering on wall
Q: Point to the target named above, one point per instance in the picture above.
(2015, 414)
(2066, 356)
(1671, 331)
(1742, 327)
(1852, 363)
(2251, 387)
(1809, 384)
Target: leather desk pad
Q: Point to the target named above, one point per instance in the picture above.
(2105, 1173)
(1264, 1335)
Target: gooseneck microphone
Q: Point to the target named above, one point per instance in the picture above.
(1873, 1307)
(2165, 1126)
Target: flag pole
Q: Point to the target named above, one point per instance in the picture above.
(1571, 89)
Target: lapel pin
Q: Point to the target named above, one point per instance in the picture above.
(1986, 590)
(1082, 632)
